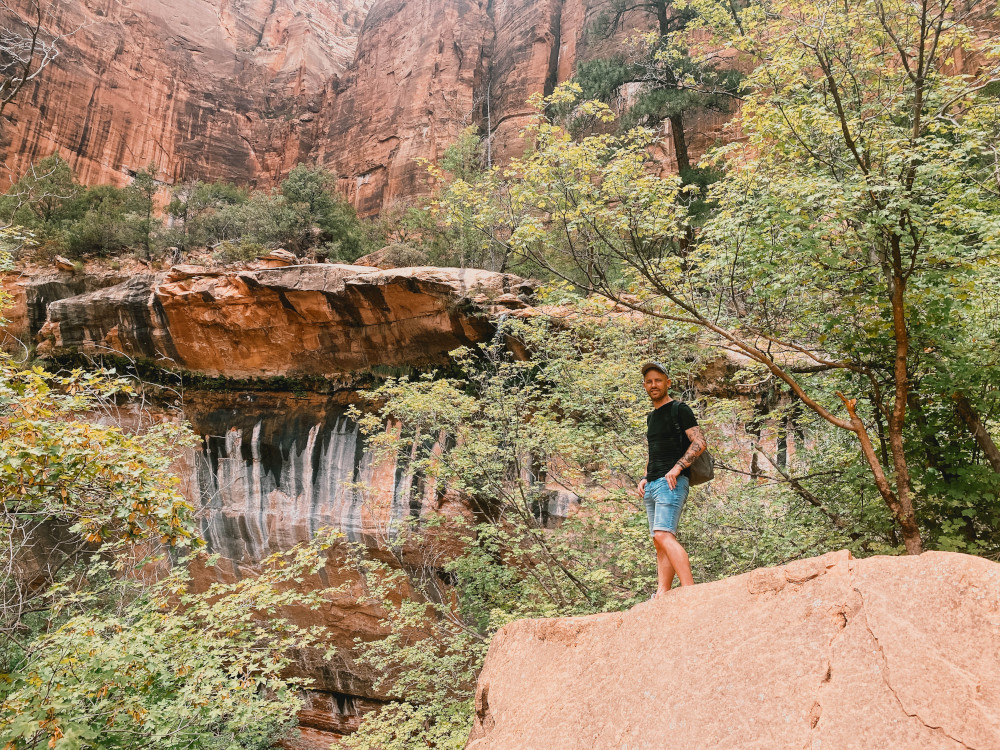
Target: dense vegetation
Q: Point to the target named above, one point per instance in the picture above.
(102, 642)
(842, 256)
(844, 248)
(304, 215)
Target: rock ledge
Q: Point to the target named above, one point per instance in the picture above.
(828, 652)
(295, 321)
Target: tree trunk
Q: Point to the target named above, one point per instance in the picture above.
(904, 515)
(970, 416)
(680, 143)
(904, 489)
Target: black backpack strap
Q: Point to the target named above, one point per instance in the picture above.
(685, 441)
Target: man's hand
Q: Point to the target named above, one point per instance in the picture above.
(672, 475)
(641, 489)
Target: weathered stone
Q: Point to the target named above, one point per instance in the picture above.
(244, 90)
(830, 652)
(309, 320)
(397, 255)
(279, 258)
(408, 94)
(31, 293)
(201, 88)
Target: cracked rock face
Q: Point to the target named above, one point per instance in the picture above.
(312, 320)
(828, 652)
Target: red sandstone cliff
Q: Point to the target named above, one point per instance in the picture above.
(245, 89)
(203, 88)
(409, 93)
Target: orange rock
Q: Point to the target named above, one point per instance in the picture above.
(307, 320)
(279, 258)
(829, 652)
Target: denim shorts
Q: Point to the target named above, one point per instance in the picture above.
(664, 505)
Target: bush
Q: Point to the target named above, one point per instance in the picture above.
(306, 213)
(312, 191)
(238, 252)
(197, 206)
(107, 224)
(42, 197)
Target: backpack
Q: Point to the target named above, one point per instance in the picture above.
(703, 468)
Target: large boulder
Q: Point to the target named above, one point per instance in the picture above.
(824, 653)
(319, 320)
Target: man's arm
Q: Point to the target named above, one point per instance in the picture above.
(697, 447)
(698, 444)
(641, 489)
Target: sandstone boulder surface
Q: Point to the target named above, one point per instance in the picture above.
(297, 321)
(824, 653)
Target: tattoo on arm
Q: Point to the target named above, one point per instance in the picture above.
(698, 444)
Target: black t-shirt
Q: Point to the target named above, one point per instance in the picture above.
(667, 444)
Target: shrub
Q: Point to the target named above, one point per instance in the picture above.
(238, 252)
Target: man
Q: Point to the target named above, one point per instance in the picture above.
(665, 486)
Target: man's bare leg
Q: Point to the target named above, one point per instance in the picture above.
(676, 555)
(664, 570)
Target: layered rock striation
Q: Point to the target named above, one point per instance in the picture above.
(320, 320)
(828, 652)
(212, 89)
(410, 91)
(243, 90)
(29, 297)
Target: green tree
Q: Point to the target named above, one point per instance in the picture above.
(672, 81)
(41, 196)
(313, 192)
(103, 224)
(97, 650)
(199, 207)
(876, 220)
(502, 434)
(141, 195)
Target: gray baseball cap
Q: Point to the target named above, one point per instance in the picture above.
(653, 365)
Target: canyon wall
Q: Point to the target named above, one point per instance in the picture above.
(243, 90)
(214, 89)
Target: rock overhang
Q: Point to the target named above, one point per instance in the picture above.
(310, 320)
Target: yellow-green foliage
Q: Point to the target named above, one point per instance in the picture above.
(95, 652)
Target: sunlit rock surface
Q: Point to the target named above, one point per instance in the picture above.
(828, 652)
(312, 320)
